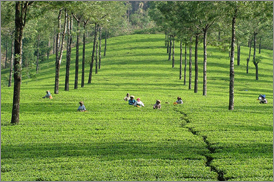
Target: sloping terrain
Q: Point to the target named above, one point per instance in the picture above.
(200, 140)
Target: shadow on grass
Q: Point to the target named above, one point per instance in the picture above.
(247, 109)
(43, 106)
(170, 150)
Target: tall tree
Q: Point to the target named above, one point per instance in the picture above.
(21, 12)
(185, 66)
(100, 38)
(260, 21)
(206, 13)
(231, 83)
(69, 42)
(78, 19)
(255, 61)
(196, 63)
(92, 57)
(233, 10)
(190, 64)
(59, 49)
(248, 59)
(173, 51)
(84, 54)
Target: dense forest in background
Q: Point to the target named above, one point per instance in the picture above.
(40, 32)
(136, 19)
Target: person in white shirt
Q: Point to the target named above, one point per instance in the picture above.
(179, 100)
(139, 103)
(126, 98)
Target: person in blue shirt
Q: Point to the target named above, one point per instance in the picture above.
(48, 95)
(262, 99)
(131, 101)
(81, 108)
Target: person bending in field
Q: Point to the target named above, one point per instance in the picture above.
(139, 103)
(157, 105)
(82, 107)
(262, 99)
(126, 98)
(48, 95)
(131, 101)
(178, 101)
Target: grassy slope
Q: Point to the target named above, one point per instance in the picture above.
(114, 141)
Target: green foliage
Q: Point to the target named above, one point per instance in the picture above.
(113, 141)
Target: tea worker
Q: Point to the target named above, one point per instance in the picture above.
(48, 95)
(139, 103)
(82, 107)
(127, 97)
(157, 105)
(178, 101)
(131, 101)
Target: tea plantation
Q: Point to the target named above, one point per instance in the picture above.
(200, 140)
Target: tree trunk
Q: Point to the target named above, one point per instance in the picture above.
(69, 40)
(83, 60)
(190, 63)
(105, 50)
(37, 60)
(100, 37)
(92, 57)
(167, 47)
(77, 55)
(173, 52)
(231, 84)
(196, 65)
(257, 71)
(238, 54)
(22, 56)
(170, 45)
(185, 67)
(181, 60)
(254, 56)
(248, 59)
(205, 63)
(11, 60)
(20, 17)
(59, 54)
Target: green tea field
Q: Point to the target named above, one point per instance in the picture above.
(199, 140)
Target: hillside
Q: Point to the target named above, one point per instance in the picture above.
(200, 140)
